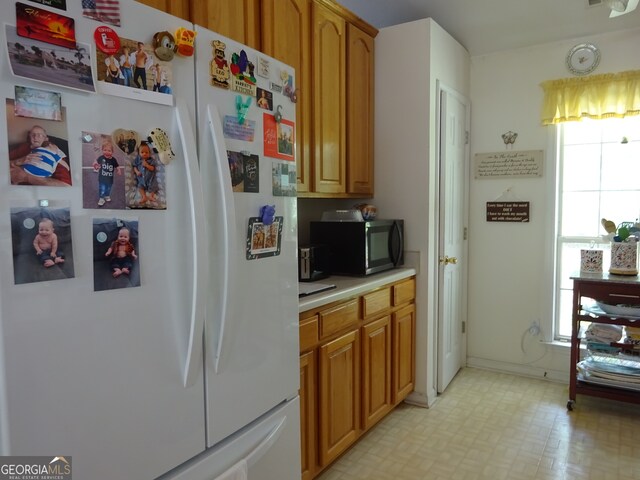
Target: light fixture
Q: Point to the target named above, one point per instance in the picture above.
(617, 5)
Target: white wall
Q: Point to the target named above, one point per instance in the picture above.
(409, 60)
(509, 282)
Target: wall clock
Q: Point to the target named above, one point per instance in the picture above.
(583, 59)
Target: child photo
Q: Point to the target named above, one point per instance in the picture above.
(41, 239)
(38, 150)
(115, 254)
(145, 181)
(103, 166)
(43, 62)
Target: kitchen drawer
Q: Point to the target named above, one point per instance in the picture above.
(308, 333)
(335, 319)
(376, 302)
(404, 292)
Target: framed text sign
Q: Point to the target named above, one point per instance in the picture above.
(526, 163)
(508, 212)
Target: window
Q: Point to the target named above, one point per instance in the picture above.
(598, 177)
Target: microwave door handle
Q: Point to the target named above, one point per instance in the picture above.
(395, 256)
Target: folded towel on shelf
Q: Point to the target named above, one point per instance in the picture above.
(603, 333)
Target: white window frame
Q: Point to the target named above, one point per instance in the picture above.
(552, 289)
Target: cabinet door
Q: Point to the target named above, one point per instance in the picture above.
(339, 395)
(404, 332)
(329, 107)
(236, 19)
(360, 100)
(179, 8)
(308, 414)
(376, 371)
(286, 36)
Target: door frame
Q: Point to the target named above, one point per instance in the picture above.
(440, 89)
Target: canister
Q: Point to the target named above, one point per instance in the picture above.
(624, 258)
(590, 261)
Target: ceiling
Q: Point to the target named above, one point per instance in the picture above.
(489, 26)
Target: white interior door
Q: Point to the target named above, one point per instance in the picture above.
(452, 250)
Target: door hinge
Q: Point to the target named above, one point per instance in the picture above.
(464, 327)
(466, 137)
(464, 233)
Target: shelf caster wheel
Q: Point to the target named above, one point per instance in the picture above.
(570, 405)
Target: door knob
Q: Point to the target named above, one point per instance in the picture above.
(447, 260)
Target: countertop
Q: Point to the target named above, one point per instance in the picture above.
(605, 277)
(347, 287)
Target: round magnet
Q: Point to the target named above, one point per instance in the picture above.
(164, 46)
(107, 40)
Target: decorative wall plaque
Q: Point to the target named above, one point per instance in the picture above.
(508, 164)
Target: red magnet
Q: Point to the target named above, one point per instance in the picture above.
(107, 40)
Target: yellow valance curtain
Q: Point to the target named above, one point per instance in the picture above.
(597, 96)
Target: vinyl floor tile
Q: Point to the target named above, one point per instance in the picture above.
(495, 426)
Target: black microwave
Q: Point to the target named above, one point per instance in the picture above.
(360, 248)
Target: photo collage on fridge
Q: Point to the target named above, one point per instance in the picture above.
(122, 168)
(236, 72)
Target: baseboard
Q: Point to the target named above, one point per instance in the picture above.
(518, 369)
(419, 400)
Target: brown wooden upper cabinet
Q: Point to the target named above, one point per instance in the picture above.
(179, 8)
(360, 101)
(286, 27)
(329, 101)
(331, 51)
(236, 19)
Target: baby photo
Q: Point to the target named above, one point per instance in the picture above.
(41, 239)
(145, 181)
(115, 254)
(38, 150)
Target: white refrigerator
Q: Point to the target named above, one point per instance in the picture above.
(188, 367)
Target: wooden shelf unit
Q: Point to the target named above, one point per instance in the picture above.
(604, 288)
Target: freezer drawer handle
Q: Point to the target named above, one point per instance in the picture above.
(266, 444)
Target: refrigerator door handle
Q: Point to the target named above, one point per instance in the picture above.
(196, 211)
(227, 211)
(264, 446)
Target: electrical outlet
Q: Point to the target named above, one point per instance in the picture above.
(534, 328)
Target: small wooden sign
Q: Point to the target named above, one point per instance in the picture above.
(508, 212)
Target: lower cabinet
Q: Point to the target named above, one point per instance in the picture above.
(376, 371)
(307, 413)
(339, 395)
(356, 364)
(404, 364)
